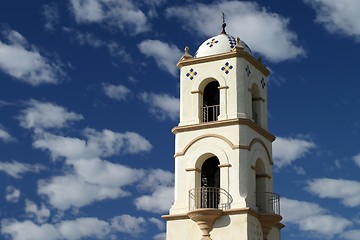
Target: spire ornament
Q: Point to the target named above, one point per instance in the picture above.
(224, 24)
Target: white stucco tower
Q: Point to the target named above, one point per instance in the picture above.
(223, 151)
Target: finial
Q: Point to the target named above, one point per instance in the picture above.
(186, 54)
(237, 41)
(238, 46)
(224, 24)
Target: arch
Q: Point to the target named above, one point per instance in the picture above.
(261, 142)
(211, 102)
(256, 102)
(210, 183)
(198, 86)
(210, 172)
(227, 141)
(260, 184)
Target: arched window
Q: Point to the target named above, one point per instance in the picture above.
(211, 102)
(256, 103)
(210, 183)
(260, 188)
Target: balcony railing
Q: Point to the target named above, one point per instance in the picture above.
(209, 197)
(268, 202)
(211, 113)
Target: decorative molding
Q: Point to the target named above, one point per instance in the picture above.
(172, 217)
(193, 169)
(221, 123)
(255, 140)
(263, 176)
(258, 99)
(205, 136)
(243, 54)
(223, 87)
(224, 165)
(197, 91)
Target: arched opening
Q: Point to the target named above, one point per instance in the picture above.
(211, 102)
(256, 104)
(260, 187)
(210, 183)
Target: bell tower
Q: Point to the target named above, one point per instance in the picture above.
(223, 151)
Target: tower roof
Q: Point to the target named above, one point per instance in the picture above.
(222, 43)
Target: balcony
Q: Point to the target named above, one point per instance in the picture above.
(206, 204)
(268, 205)
(210, 113)
(268, 202)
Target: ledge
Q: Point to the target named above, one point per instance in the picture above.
(223, 123)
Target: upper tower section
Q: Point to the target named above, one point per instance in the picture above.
(222, 81)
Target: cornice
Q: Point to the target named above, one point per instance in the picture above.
(224, 123)
(192, 61)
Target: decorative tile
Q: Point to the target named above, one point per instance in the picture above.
(247, 69)
(226, 68)
(191, 74)
(212, 42)
(232, 41)
(263, 83)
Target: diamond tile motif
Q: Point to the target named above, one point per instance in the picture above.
(191, 74)
(226, 68)
(263, 83)
(232, 41)
(247, 69)
(212, 42)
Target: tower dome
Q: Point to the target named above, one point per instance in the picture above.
(222, 43)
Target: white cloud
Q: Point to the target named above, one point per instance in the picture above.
(287, 150)
(69, 191)
(51, 14)
(25, 63)
(351, 235)
(338, 17)
(5, 136)
(113, 48)
(159, 223)
(356, 159)
(12, 194)
(76, 229)
(117, 92)
(267, 33)
(348, 191)
(83, 228)
(160, 185)
(165, 55)
(41, 214)
(159, 201)
(119, 14)
(128, 224)
(155, 178)
(16, 169)
(160, 236)
(104, 173)
(311, 217)
(43, 115)
(162, 106)
(64, 146)
(28, 230)
(105, 144)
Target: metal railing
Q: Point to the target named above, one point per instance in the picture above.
(211, 113)
(268, 202)
(209, 197)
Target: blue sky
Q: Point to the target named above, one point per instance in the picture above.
(89, 94)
